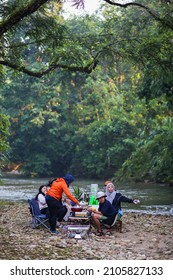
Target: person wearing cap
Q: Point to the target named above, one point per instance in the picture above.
(115, 198)
(106, 212)
(57, 210)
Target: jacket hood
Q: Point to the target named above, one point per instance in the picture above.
(68, 178)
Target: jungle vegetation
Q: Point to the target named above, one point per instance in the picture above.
(91, 95)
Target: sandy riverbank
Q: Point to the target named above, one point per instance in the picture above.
(144, 237)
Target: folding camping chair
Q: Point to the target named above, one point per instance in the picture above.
(38, 218)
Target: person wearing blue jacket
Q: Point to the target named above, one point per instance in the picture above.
(106, 212)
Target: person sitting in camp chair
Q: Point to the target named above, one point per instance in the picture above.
(38, 218)
(40, 197)
(106, 213)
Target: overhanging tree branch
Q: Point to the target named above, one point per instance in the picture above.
(147, 9)
(27, 9)
(38, 74)
(20, 13)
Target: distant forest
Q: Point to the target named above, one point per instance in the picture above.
(90, 95)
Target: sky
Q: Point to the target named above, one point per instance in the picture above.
(90, 7)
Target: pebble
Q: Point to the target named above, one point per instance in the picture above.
(136, 242)
(167, 252)
(154, 239)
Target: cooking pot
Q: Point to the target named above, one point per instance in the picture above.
(76, 209)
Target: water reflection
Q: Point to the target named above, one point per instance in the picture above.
(154, 198)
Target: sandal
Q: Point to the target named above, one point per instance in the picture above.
(108, 232)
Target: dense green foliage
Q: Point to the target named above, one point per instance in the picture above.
(4, 133)
(113, 122)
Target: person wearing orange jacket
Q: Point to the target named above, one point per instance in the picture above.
(57, 210)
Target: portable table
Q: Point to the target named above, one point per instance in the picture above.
(78, 218)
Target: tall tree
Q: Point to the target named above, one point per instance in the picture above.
(4, 133)
(96, 123)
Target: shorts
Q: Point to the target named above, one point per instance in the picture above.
(107, 220)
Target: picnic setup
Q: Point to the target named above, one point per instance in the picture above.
(78, 221)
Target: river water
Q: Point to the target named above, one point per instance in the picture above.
(154, 198)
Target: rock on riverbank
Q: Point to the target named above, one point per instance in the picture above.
(144, 237)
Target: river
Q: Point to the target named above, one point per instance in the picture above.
(154, 198)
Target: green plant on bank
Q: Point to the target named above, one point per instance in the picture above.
(77, 192)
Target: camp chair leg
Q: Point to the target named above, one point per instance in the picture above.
(34, 222)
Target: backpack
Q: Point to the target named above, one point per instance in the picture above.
(49, 184)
